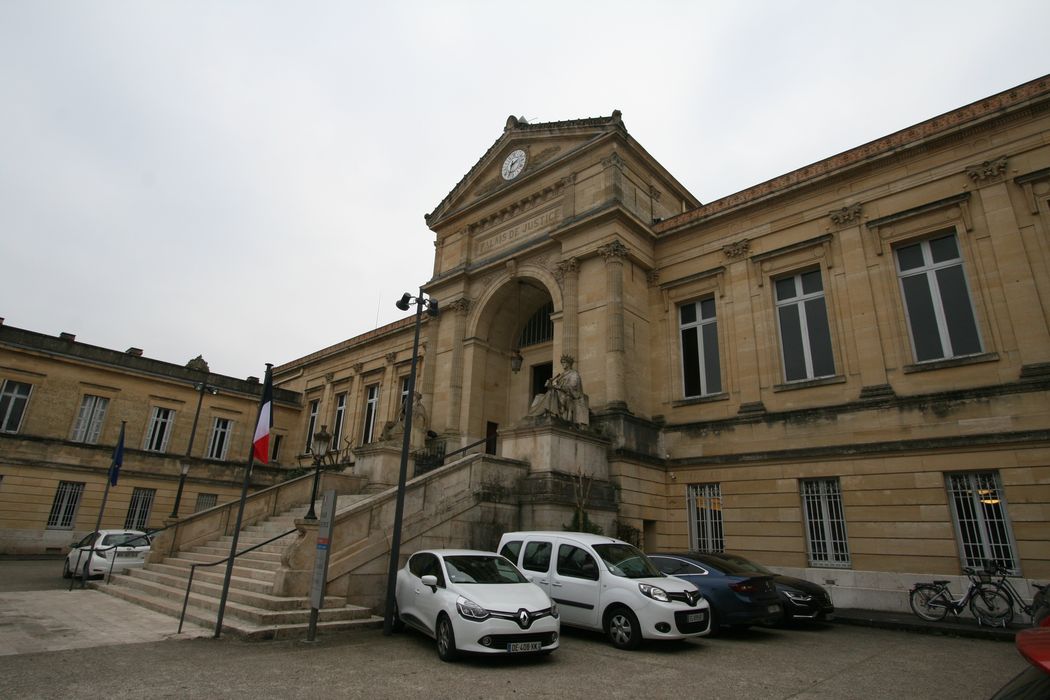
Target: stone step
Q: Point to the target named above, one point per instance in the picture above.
(218, 552)
(239, 570)
(273, 629)
(165, 586)
(215, 575)
(243, 561)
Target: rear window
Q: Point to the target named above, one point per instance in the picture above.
(121, 539)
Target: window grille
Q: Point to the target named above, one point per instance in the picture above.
(205, 501)
(705, 522)
(139, 510)
(539, 328)
(981, 521)
(825, 523)
(64, 507)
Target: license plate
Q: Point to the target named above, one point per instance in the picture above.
(773, 609)
(695, 617)
(524, 646)
(127, 555)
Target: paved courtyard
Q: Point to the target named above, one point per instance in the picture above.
(136, 654)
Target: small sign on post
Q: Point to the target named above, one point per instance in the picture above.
(324, 540)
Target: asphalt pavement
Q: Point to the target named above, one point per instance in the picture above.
(57, 643)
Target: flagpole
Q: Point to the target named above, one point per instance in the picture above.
(111, 478)
(267, 383)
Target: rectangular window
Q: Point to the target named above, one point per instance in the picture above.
(138, 511)
(825, 523)
(705, 519)
(311, 424)
(340, 413)
(981, 522)
(64, 508)
(805, 336)
(404, 393)
(371, 406)
(13, 399)
(160, 427)
(699, 334)
(88, 425)
(221, 431)
(937, 300)
(205, 501)
(275, 453)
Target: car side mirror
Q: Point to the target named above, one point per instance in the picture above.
(431, 581)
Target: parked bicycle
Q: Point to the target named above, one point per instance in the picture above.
(988, 604)
(1040, 605)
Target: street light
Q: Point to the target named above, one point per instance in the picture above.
(404, 303)
(319, 446)
(185, 467)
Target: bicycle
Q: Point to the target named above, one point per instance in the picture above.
(990, 606)
(1040, 605)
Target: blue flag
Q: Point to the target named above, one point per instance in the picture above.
(118, 458)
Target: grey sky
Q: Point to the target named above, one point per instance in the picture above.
(247, 180)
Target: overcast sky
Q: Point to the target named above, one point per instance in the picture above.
(247, 180)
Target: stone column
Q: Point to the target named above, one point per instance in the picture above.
(356, 398)
(567, 272)
(459, 308)
(615, 389)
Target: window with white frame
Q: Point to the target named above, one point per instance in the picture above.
(88, 425)
(13, 399)
(825, 523)
(981, 522)
(205, 501)
(340, 414)
(221, 431)
(941, 320)
(371, 406)
(705, 517)
(64, 507)
(404, 392)
(160, 427)
(701, 373)
(139, 508)
(805, 336)
(311, 424)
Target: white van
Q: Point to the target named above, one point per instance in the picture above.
(605, 584)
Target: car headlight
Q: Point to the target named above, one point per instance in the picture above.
(798, 597)
(554, 610)
(654, 592)
(470, 610)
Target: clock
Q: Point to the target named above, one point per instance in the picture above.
(514, 164)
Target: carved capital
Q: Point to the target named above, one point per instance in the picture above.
(987, 170)
(357, 367)
(613, 161)
(846, 215)
(566, 267)
(459, 306)
(652, 277)
(737, 249)
(391, 357)
(654, 193)
(615, 251)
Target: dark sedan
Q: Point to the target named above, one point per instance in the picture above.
(738, 600)
(802, 600)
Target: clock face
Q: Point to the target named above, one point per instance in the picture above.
(514, 164)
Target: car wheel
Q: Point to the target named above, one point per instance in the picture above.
(66, 573)
(396, 624)
(622, 629)
(446, 639)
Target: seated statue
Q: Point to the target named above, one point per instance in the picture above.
(564, 397)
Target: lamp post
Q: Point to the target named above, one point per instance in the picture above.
(185, 466)
(404, 303)
(319, 446)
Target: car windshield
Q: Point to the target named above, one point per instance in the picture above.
(627, 561)
(120, 539)
(481, 569)
(734, 564)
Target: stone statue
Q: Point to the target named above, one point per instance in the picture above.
(564, 397)
(420, 423)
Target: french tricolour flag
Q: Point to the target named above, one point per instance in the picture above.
(261, 441)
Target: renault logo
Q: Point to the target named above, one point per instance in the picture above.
(523, 618)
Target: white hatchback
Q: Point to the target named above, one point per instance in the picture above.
(474, 602)
(100, 551)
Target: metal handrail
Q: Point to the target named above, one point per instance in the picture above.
(470, 446)
(193, 570)
(109, 572)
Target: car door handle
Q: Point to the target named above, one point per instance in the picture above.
(539, 580)
(556, 583)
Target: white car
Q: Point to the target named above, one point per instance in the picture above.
(123, 549)
(474, 602)
(607, 585)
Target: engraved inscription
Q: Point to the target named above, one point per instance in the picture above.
(508, 236)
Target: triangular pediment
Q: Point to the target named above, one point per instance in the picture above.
(534, 146)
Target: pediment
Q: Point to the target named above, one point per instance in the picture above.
(542, 144)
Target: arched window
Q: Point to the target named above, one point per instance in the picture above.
(540, 328)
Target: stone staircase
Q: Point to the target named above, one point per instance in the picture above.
(252, 611)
